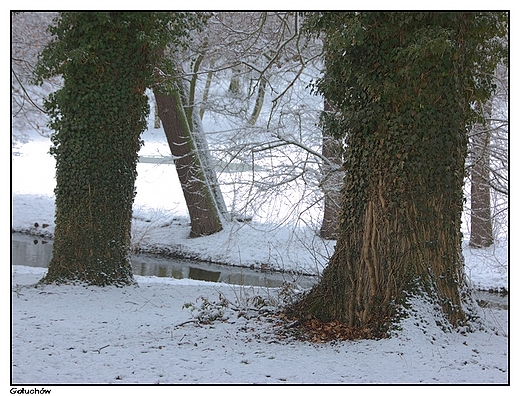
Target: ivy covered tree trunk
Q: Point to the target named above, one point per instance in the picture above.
(200, 200)
(106, 61)
(98, 118)
(404, 98)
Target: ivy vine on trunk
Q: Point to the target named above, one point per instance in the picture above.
(404, 85)
(106, 60)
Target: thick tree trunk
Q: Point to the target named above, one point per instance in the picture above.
(98, 118)
(481, 234)
(93, 214)
(380, 253)
(403, 112)
(202, 207)
(399, 226)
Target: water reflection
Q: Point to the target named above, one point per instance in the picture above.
(32, 251)
(37, 252)
(202, 274)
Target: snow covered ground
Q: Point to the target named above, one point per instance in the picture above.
(76, 335)
(150, 333)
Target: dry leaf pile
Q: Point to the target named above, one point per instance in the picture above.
(316, 331)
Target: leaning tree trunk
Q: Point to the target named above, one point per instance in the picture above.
(201, 147)
(201, 203)
(481, 234)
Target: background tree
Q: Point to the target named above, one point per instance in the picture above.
(106, 60)
(332, 179)
(488, 167)
(191, 158)
(29, 35)
(481, 234)
(247, 72)
(408, 84)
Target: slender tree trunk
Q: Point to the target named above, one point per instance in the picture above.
(481, 234)
(201, 148)
(207, 86)
(202, 207)
(331, 184)
(259, 101)
(235, 85)
(156, 119)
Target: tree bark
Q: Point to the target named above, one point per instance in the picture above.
(207, 86)
(331, 184)
(156, 119)
(378, 255)
(98, 118)
(259, 101)
(405, 149)
(235, 85)
(202, 208)
(481, 234)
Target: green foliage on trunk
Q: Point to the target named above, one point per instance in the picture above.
(404, 85)
(106, 60)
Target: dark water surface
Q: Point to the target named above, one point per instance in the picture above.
(37, 252)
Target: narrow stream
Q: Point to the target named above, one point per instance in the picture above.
(37, 252)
